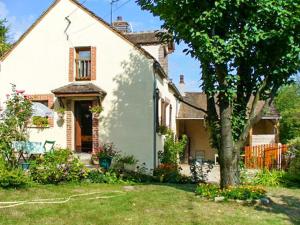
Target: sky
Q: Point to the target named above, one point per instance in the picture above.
(20, 14)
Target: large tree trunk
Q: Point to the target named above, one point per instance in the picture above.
(229, 156)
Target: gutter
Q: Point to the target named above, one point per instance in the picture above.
(154, 113)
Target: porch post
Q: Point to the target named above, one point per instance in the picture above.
(95, 128)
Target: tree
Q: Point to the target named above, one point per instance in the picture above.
(4, 45)
(247, 50)
(288, 104)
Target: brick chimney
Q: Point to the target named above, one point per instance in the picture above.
(182, 85)
(121, 25)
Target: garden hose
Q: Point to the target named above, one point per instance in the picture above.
(4, 205)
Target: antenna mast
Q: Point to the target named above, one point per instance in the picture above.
(112, 2)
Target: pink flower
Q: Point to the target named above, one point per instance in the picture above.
(20, 91)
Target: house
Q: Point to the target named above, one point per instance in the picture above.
(191, 122)
(70, 58)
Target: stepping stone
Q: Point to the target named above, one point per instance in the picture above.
(129, 188)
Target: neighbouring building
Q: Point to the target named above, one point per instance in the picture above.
(191, 122)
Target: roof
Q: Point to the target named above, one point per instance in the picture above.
(119, 33)
(148, 38)
(143, 51)
(79, 89)
(198, 99)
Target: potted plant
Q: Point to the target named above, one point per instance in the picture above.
(40, 121)
(105, 154)
(163, 130)
(96, 110)
(129, 162)
(60, 112)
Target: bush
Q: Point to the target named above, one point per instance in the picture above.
(208, 191)
(211, 191)
(58, 166)
(168, 173)
(172, 148)
(244, 193)
(12, 178)
(269, 178)
(97, 176)
(293, 172)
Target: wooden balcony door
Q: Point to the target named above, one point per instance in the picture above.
(83, 127)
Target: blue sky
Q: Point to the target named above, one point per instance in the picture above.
(22, 13)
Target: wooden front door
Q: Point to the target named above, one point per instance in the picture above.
(83, 126)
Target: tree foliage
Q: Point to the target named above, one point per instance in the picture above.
(247, 50)
(4, 45)
(288, 104)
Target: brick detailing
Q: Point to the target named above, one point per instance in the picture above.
(95, 130)
(45, 97)
(163, 58)
(71, 64)
(93, 63)
(69, 124)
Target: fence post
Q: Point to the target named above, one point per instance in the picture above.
(279, 152)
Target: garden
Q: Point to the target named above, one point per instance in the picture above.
(57, 186)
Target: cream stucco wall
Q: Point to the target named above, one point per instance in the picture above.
(198, 135)
(40, 64)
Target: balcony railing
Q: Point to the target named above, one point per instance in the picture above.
(83, 69)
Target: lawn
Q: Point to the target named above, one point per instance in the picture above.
(146, 204)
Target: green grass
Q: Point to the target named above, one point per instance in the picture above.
(147, 204)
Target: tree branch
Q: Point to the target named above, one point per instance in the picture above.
(192, 106)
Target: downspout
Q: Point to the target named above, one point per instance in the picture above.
(154, 114)
(69, 24)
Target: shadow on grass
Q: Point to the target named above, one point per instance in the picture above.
(183, 187)
(282, 204)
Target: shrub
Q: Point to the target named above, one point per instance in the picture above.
(200, 171)
(13, 127)
(58, 166)
(211, 191)
(208, 191)
(97, 176)
(128, 159)
(12, 178)
(244, 193)
(136, 177)
(293, 172)
(167, 173)
(268, 178)
(173, 148)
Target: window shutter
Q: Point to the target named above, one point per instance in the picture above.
(71, 64)
(93, 63)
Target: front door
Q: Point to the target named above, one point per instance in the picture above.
(83, 126)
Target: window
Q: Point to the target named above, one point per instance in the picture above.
(170, 117)
(163, 114)
(83, 63)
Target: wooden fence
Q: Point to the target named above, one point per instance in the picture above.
(265, 156)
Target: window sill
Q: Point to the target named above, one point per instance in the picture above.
(83, 79)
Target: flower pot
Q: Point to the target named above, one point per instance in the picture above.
(25, 166)
(130, 167)
(105, 162)
(96, 115)
(60, 115)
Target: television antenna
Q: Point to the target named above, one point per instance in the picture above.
(112, 2)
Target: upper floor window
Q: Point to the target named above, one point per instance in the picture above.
(83, 63)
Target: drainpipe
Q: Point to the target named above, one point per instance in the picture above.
(154, 113)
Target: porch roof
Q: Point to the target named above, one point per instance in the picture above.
(198, 99)
(79, 89)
